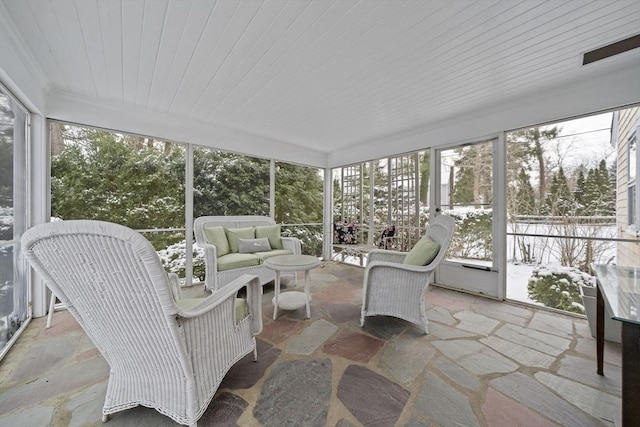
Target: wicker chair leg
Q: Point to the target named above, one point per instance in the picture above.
(105, 418)
(52, 305)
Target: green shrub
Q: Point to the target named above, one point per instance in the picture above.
(558, 287)
(473, 237)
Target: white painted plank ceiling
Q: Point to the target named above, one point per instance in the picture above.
(319, 74)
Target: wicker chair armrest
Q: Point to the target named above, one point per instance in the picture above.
(293, 244)
(174, 283)
(383, 255)
(216, 300)
(401, 266)
(389, 270)
(210, 265)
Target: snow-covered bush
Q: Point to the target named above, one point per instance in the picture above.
(558, 287)
(174, 259)
(473, 238)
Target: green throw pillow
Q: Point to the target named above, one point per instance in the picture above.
(271, 232)
(233, 234)
(217, 237)
(423, 252)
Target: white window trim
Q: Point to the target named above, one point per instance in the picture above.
(634, 229)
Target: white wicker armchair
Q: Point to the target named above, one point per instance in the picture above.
(160, 355)
(392, 288)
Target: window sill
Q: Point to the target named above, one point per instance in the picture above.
(633, 232)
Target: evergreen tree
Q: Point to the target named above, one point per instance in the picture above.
(530, 148)
(559, 199)
(526, 197)
(100, 177)
(473, 181)
(424, 176)
(579, 193)
(599, 195)
(298, 194)
(230, 184)
(139, 182)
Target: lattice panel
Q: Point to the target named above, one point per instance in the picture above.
(404, 199)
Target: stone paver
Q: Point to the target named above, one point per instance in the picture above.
(87, 405)
(441, 315)
(443, 404)
(54, 382)
(353, 346)
(598, 404)
(341, 313)
(384, 327)
(282, 329)
(612, 351)
(247, 372)
(477, 323)
(404, 358)
(36, 416)
(530, 393)
(445, 332)
(340, 292)
(138, 416)
(552, 324)
(344, 423)
(288, 400)
(458, 375)
(475, 357)
(414, 422)
(503, 312)
(499, 410)
(540, 341)
(224, 410)
(584, 371)
(311, 338)
(44, 355)
(521, 354)
(453, 303)
(370, 397)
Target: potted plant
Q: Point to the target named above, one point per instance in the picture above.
(612, 328)
(563, 288)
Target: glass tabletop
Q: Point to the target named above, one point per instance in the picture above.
(297, 262)
(620, 287)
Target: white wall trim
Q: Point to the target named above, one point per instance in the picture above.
(614, 89)
(86, 111)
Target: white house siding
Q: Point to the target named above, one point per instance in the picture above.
(628, 253)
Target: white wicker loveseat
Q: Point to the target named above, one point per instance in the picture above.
(220, 236)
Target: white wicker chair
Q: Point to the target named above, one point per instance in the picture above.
(392, 288)
(160, 355)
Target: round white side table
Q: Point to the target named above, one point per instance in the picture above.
(291, 300)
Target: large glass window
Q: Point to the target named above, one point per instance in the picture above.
(140, 182)
(561, 209)
(127, 179)
(14, 295)
(298, 204)
(229, 184)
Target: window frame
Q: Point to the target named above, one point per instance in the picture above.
(633, 183)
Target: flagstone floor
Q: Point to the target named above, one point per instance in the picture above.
(484, 363)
